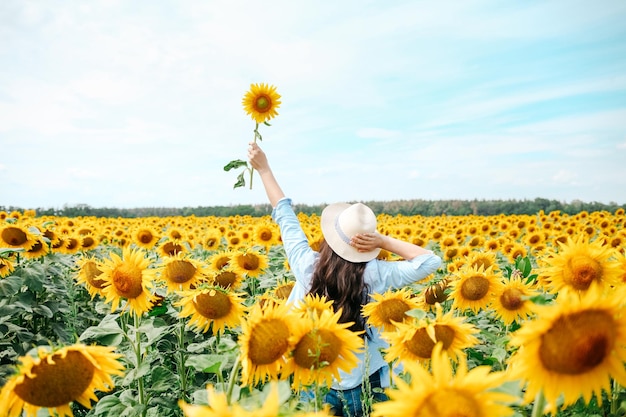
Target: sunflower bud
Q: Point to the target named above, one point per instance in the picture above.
(436, 293)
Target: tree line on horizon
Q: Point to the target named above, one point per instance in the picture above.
(393, 207)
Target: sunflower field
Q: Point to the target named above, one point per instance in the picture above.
(186, 316)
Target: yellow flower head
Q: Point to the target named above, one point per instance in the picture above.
(128, 277)
(573, 348)
(579, 263)
(145, 236)
(415, 340)
(249, 262)
(446, 393)
(6, 267)
(313, 303)
(208, 306)
(181, 272)
(389, 308)
(261, 102)
(16, 237)
(512, 303)
(265, 341)
(89, 275)
(53, 380)
(321, 347)
(475, 288)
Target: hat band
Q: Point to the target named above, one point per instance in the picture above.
(340, 232)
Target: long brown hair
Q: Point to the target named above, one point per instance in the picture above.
(342, 282)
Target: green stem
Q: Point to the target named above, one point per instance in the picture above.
(614, 397)
(318, 398)
(181, 360)
(256, 134)
(538, 406)
(140, 388)
(233, 378)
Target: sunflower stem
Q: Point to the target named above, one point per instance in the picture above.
(181, 359)
(256, 135)
(233, 377)
(538, 405)
(140, 388)
(614, 397)
(318, 397)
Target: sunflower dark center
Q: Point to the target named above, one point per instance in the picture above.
(450, 402)
(436, 293)
(451, 252)
(265, 235)
(578, 342)
(171, 248)
(59, 383)
(248, 261)
(482, 262)
(269, 340)
(145, 236)
(92, 273)
(88, 242)
(317, 349)
(213, 304)
(581, 271)
(475, 288)
(422, 345)
(180, 271)
(128, 281)
(511, 299)
(392, 310)
(36, 247)
(72, 243)
(14, 236)
(222, 262)
(226, 279)
(262, 104)
(284, 290)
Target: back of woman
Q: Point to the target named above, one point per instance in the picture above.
(346, 272)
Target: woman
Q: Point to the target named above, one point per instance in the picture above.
(346, 271)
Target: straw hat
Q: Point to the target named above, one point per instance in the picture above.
(341, 221)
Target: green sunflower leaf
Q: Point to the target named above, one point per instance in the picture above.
(241, 182)
(234, 164)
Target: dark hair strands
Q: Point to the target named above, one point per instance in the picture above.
(342, 282)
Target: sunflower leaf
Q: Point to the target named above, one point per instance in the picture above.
(5, 252)
(234, 164)
(417, 313)
(241, 182)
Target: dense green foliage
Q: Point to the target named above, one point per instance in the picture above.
(395, 207)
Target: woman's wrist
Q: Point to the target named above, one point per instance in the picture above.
(384, 241)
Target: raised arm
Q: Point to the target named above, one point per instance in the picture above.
(258, 160)
(365, 242)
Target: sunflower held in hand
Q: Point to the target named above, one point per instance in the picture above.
(261, 103)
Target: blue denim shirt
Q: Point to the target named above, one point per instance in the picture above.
(379, 275)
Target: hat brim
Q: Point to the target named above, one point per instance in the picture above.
(336, 243)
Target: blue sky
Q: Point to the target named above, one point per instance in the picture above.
(138, 103)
